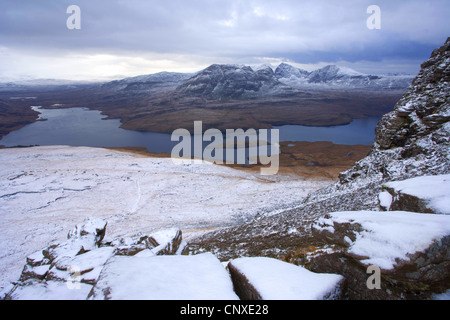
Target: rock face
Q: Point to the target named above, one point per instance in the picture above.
(411, 141)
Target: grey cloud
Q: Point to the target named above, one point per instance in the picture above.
(226, 30)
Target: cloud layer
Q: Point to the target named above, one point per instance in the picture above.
(136, 36)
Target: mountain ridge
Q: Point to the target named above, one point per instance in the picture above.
(242, 81)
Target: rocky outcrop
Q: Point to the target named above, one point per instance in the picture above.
(151, 267)
(71, 269)
(411, 141)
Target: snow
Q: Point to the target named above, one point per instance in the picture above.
(389, 236)
(433, 189)
(338, 77)
(385, 199)
(442, 296)
(165, 236)
(45, 191)
(349, 72)
(87, 261)
(262, 66)
(52, 290)
(278, 280)
(199, 277)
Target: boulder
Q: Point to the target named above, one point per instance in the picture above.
(38, 272)
(199, 277)
(162, 242)
(260, 278)
(426, 194)
(37, 259)
(93, 229)
(411, 250)
(167, 242)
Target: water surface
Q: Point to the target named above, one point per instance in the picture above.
(84, 127)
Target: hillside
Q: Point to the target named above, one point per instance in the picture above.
(411, 141)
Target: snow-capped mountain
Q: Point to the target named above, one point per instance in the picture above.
(224, 81)
(43, 84)
(161, 80)
(287, 74)
(333, 76)
(232, 81)
(332, 72)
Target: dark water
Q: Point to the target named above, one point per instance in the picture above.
(83, 127)
(360, 131)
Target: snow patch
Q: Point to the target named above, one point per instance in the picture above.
(391, 236)
(385, 199)
(199, 277)
(278, 280)
(433, 189)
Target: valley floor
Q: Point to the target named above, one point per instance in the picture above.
(44, 191)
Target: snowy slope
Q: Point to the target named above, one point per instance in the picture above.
(161, 80)
(45, 191)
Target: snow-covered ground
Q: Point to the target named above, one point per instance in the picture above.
(45, 191)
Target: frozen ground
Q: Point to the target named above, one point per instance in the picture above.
(45, 191)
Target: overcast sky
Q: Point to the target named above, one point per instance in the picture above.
(134, 37)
